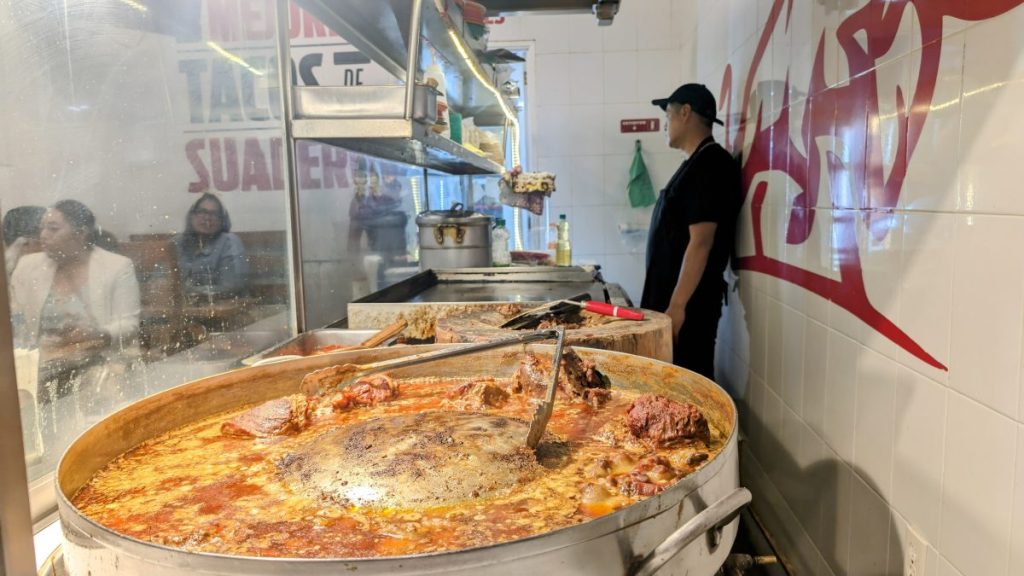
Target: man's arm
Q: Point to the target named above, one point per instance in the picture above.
(702, 238)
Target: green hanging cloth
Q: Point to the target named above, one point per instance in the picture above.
(641, 191)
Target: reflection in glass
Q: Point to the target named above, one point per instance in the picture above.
(135, 110)
(359, 235)
(211, 259)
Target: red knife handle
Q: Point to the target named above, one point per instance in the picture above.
(612, 310)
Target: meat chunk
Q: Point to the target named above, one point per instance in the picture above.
(638, 484)
(510, 309)
(578, 378)
(366, 391)
(479, 394)
(322, 381)
(286, 415)
(665, 421)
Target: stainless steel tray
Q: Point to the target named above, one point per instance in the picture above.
(306, 343)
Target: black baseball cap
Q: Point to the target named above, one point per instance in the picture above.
(697, 96)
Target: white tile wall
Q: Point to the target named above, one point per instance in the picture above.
(793, 359)
(918, 442)
(992, 86)
(873, 420)
(977, 491)
(926, 290)
(935, 185)
(1017, 531)
(840, 394)
(832, 407)
(870, 523)
(815, 375)
(553, 74)
(655, 29)
(988, 308)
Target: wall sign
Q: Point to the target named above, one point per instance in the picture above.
(639, 125)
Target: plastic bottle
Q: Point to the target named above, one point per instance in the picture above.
(434, 76)
(500, 255)
(563, 249)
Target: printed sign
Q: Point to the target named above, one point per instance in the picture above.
(227, 61)
(640, 125)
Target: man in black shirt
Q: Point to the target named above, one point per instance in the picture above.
(693, 229)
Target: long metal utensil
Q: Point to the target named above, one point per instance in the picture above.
(321, 381)
(543, 413)
(535, 315)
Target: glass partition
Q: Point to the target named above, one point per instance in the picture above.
(144, 201)
(359, 235)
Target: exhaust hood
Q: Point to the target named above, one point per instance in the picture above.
(604, 10)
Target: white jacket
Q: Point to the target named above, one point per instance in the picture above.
(111, 294)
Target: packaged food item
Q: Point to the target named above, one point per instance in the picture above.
(526, 189)
(434, 77)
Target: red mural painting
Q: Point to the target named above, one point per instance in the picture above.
(856, 183)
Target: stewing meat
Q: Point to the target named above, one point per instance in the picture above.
(479, 394)
(578, 378)
(366, 391)
(286, 415)
(665, 421)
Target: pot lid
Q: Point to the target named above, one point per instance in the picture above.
(454, 215)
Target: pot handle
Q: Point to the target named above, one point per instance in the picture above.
(711, 521)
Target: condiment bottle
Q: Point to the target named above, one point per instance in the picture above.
(500, 255)
(563, 249)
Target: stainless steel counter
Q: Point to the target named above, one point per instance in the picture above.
(421, 299)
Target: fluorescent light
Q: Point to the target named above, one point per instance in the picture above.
(233, 57)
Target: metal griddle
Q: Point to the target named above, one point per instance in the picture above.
(494, 285)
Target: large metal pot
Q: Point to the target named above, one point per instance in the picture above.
(696, 517)
(454, 238)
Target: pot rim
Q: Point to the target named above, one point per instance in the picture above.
(439, 217)
(553, 540)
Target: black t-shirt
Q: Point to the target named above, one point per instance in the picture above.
(705, 188)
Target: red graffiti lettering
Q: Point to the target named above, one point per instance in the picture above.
(855, 175)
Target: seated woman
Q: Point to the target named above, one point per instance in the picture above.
(79, 302)
(211, 260)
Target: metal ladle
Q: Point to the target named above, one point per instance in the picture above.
(342, 375)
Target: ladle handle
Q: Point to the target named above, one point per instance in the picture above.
(404, 361)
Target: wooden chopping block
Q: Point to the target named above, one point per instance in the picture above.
(650, 337)
(421, 317)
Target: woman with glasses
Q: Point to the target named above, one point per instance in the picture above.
(211, 260)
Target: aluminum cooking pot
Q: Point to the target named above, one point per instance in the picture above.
(687, 529)
(454, 238)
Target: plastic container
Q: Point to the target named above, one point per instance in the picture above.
(455, 123)
(500, 255)
(434, 76)
(563, 247)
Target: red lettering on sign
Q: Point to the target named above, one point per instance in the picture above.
(218, 165)
(856, 184)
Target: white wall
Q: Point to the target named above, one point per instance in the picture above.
(588, 78)
(867, 436)
(875, 343)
